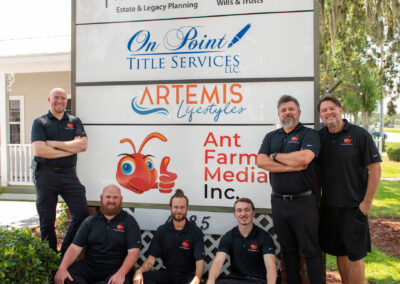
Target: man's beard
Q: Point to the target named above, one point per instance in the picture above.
(333, 123)
(289, 123)
(112, 211)
(179, 218)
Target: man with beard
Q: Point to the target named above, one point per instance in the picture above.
(111, 238)
(289, 155)
(57, 137)
(250, 248)
(350, 172)
(180, 245)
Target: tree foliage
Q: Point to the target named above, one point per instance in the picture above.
(359, 44)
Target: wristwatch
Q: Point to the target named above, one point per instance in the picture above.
(274, 157)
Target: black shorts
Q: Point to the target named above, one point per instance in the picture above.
(344, 232)
(233, 279)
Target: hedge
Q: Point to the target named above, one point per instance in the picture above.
(393, 152)
(25, 258)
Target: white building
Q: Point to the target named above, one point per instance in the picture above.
(35, 48)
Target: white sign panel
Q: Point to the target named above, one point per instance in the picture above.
(95, 11)
(213, 165)
(219, 103)
(179, 94)
(246, 46)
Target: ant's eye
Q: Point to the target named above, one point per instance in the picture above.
(128, 167)
(149, 164)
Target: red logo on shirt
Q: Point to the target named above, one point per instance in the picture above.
(253, 246)
(295, 138)
(70, 125)
(347, 139)
(120, 226)
(185, 243)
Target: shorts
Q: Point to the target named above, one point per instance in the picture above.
(344, 232)
(234, 279)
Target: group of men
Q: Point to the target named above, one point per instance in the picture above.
(112, 242)
(349, 172)
(348, 163)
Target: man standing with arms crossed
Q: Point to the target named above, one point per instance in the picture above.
(289, 155)
(350, 173)
(57, 137)
(180, 245)
(251, 250)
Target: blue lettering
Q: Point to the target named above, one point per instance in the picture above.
(174, 58)
(212, 109)
(188, 37)
(236, 59)
(141, 39)
(219, 57)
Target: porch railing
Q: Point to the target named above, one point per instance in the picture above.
(19, 157)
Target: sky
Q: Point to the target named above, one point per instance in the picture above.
(34, 26)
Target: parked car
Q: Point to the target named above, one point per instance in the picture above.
(376, 133)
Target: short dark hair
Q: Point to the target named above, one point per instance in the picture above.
(245, 200)
(179, 194)
(331, 99)
(286, 99)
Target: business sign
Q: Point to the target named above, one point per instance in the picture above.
(108, 11)
(180, 94)
(213, 165)
(245, 46)
(195, 103)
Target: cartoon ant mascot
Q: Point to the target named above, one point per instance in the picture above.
(137, 173)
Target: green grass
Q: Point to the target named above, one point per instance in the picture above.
(387, 200)
(390, 169)
(379, 268)
(391, 130)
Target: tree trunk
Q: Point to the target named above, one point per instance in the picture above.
(355, 118)
(365, 119)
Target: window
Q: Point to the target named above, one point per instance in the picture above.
(16, 119)
(68, 109)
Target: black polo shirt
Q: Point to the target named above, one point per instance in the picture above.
(300, 138)
(179, 250)
(247, 254)
(107, 241)
(343, 161)
(48, 127)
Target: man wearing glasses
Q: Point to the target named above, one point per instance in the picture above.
(180, 245)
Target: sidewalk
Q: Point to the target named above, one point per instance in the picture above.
(19, 214)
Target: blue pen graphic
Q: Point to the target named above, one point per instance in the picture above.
(239, 35)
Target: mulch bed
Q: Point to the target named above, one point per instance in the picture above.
(385, 235)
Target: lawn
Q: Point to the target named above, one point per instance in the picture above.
(387, 200)
(390, 169)
(379, 268)
(391, 130)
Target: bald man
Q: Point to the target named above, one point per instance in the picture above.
(111, 239)
(57, 137)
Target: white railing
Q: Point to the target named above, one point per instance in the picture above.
(20, 157)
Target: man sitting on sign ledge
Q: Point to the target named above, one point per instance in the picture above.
(180, 245)
(250, 248)
(112, 241)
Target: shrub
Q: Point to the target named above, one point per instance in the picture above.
(25, 258)
(61, 221)
(393, 152)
